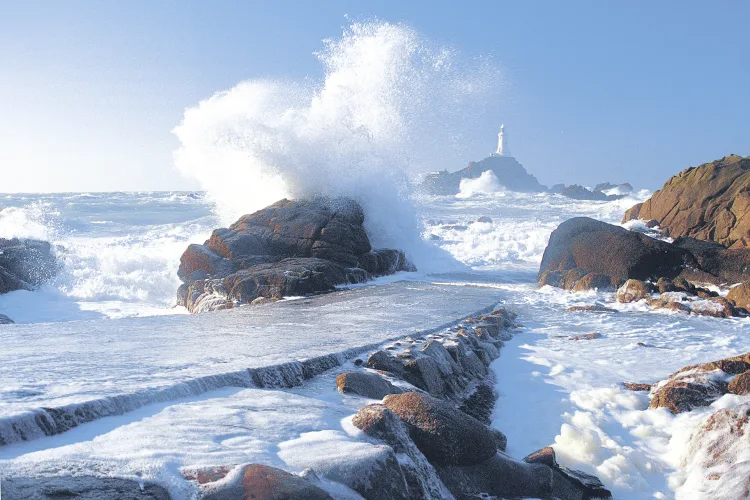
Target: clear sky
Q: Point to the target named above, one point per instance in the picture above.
(595, 90)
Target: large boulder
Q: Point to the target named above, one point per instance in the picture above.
(25, 264)
(710, 202)
(582, 246)
(293, 247)
(444, 434)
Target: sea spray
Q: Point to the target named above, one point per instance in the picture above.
(391, 104)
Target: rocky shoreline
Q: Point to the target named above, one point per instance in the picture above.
(428, 434)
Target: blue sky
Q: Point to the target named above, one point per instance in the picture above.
(595, 91)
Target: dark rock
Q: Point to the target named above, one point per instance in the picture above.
(365, 384)
(582, 246)
(485, 219)
(710, 202)
(261, 482)
(593, 281)
(632, 291)
(740, 384)
(442, 433)
(557, 188)
(81, 487)
(25, 264)
(480, 403)
(598, 308)
(507, 170)
(4, 320)
(717, 307)
(606, 186)
(288, 248)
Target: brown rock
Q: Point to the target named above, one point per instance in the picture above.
(586, 336)
(679, 396)
(444, 434)
(740, 384)
(365, 384)
(710, 202)
(261, 482)
(599, 308)
(633, 386)
(544, 456)
(668, 304)
(632, 291)
(740, 295)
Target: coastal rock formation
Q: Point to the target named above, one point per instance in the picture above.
(600, 255)
(508, 171)
(632, 291)
(25, 264)
(365, 384)
(601, 192)
(293, 247)
(710, 202)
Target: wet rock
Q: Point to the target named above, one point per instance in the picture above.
(485, 219)
(633, 386)
(261, 482)
(593, 281)
(289, 248)
(709, 202)
(506, 169)
(581, 246)
(568, 483)
(442, 433)
(598, 308)
(365, 384)
(679, 396)
(668, 304)
(633, 291)
(80, 487)
(717, 307)
(740, 384)
(25, 264)
(4, 320)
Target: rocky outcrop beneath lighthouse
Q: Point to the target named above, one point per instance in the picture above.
(291, 248)
(508, 171)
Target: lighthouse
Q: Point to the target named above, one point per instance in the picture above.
(502, 143)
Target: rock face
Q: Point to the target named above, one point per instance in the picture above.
(288, 248)
(25, 264)
(80, 487)
(583, 248)
(508, 171)
(710, 202)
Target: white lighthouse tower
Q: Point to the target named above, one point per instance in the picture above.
(502, 143)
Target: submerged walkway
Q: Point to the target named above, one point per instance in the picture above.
(58, 375)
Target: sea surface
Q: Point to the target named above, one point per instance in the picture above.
(120, 253)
